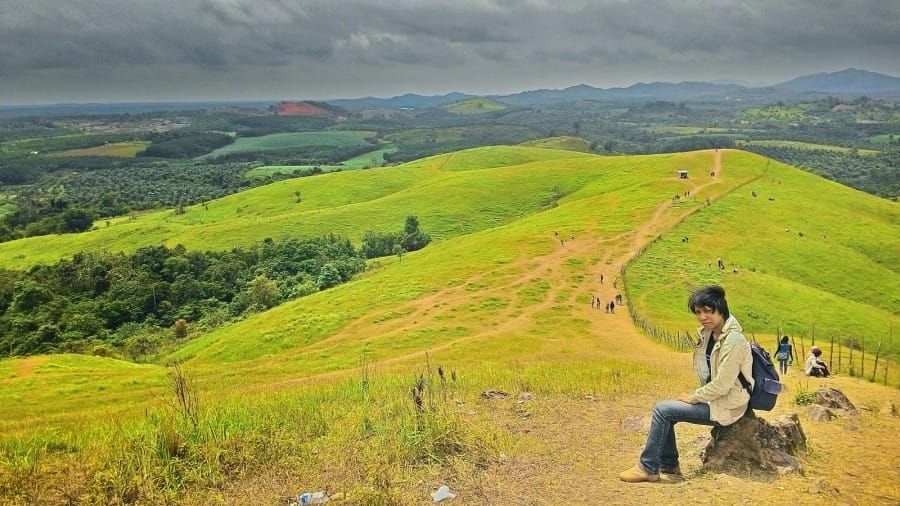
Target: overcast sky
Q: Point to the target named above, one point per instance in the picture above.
(184, 50)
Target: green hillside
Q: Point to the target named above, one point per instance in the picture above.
(502, 295)
(475, 106)
(793, 245)
(566, 142)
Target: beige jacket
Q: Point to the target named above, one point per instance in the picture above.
(720, 386)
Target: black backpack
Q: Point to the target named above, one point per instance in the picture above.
(766, 385)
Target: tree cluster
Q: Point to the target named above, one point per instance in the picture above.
(106, 298)
(411, 238)
(876, 174)
(177, 144)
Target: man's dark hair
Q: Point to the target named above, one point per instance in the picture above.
(712, 296)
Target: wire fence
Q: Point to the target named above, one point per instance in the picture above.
(847, 355)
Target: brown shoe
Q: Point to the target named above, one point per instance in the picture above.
(670, 470)
(637, 474)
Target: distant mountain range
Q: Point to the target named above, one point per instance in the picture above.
(846, 83)
(850, 82)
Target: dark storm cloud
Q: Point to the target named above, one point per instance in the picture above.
(357, 47)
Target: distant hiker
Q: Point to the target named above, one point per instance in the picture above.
(612, 307)
(601, 278)
(814, 366)
(593, 301)
(615, 282)
(721, 264)
(707, 198)
(784, 354)
(619, 299)
(721, 353)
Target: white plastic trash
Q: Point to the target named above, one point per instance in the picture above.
(443, 492)
(319, 497)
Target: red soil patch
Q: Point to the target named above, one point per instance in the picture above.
(300, 109)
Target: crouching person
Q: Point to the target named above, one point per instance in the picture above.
(814, 365)
(721, 354)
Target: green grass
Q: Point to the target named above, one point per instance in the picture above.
(365, 161)
(292, 140)
(475, 106)
(568, 143)
(884, 138)
(840, 278)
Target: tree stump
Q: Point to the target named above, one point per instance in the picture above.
(752, 445)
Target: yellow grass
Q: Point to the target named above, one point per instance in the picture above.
(119, 149)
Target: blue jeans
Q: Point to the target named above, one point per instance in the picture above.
(783, 366)
(660, 449)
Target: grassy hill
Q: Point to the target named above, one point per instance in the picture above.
(475, 106)
(320, 392)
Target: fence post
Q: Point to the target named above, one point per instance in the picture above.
(850, 359)
(862, 363)
(877, 354)
(840, 355)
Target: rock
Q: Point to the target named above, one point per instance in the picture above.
(834, 398)
(752, 444)
(818, 413)
(526, 396)
(494, 394)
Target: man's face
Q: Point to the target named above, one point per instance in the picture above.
(709, 318)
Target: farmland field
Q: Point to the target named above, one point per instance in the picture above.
(885, 138)
(293, 140)
(118, 149)
(687, 130)
(365, 161)
(808, 145)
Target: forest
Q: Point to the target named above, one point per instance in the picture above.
(132, 305)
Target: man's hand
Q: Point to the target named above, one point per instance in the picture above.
(688, 398)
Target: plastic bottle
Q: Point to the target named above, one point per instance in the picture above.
(319, 497)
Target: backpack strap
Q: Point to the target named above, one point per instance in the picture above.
(745, 383)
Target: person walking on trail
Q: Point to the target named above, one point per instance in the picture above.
(721, 353)
(784, 355)
(814, 366)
